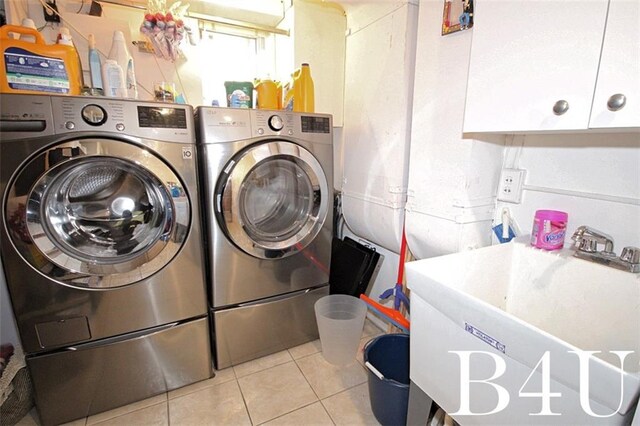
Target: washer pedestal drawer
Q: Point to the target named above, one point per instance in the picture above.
(87, 379)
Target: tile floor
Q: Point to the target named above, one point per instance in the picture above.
(293, 387)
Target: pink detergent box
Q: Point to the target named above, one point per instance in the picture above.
(549, 228)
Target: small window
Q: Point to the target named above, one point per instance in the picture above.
(233, 57)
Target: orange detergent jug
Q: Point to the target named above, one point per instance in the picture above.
(302, 96)
(267, 92)
(279, 92)
(36, 67)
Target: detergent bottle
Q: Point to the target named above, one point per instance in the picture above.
(267, 93)
(301, 96)
(64, 37)
(121, 55)
(287, 99)
(279, 94)
(35, 66)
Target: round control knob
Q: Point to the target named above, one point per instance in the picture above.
(94, 115)
(616, 102)
(120, 127)
(276, 123)
(70, 125)
(560, 107)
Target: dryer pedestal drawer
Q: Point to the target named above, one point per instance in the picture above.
(98, 376)
(257, 329)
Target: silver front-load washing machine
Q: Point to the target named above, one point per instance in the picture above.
(268, 204)
(102, 249)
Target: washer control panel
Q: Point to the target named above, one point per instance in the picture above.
(151, 120)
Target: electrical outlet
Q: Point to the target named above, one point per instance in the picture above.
(49, 15)
(510, 187)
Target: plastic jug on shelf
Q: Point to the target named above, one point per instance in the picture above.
(22, 63)
(267, 94)
(301, 96)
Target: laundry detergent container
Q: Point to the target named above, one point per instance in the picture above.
(387, 360)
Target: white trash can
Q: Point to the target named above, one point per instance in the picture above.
(340, 322)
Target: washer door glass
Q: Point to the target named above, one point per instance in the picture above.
(273, 199)
(105, 211)
(97, 213)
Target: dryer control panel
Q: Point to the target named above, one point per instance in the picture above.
(219, 125)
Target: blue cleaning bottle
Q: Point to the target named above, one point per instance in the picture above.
(95, 67)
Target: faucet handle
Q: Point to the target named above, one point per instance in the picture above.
(631, 255)
(587, 239)
(587, 244)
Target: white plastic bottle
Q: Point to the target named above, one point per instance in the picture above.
(113, 80)
(27, 22)
(120, 54)
(64, 37)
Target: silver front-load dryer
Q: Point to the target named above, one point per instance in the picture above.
(268, 207)
(102, 249)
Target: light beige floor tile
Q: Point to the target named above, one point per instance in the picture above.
(311, 415)
(351, 407)
(216, 405)
(79, 422)
(276, 391)
(220, 377)
(327, 379)
(156, 415)
(32, 419)
(306, 349)
(262, 363)
(120, 411)
(370, 329)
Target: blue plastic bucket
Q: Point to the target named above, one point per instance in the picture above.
(389, 356)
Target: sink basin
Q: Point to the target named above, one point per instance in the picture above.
(517, 303)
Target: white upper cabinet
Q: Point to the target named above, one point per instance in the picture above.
(534, 65)
(616, 102)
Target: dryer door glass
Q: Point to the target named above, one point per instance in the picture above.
(276, 200)
(273, 199)
(97, 213)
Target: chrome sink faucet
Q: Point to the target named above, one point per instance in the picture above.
(586, 242)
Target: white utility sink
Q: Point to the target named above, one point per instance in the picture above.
(516, 302)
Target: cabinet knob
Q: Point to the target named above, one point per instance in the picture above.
(616, 102)
(560, 107)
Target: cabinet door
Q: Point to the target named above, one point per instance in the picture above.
(619, 72)
(528, 55)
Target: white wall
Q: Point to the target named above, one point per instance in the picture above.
(594, 177)
(452, 181)
(317, 38)
(377, 114)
